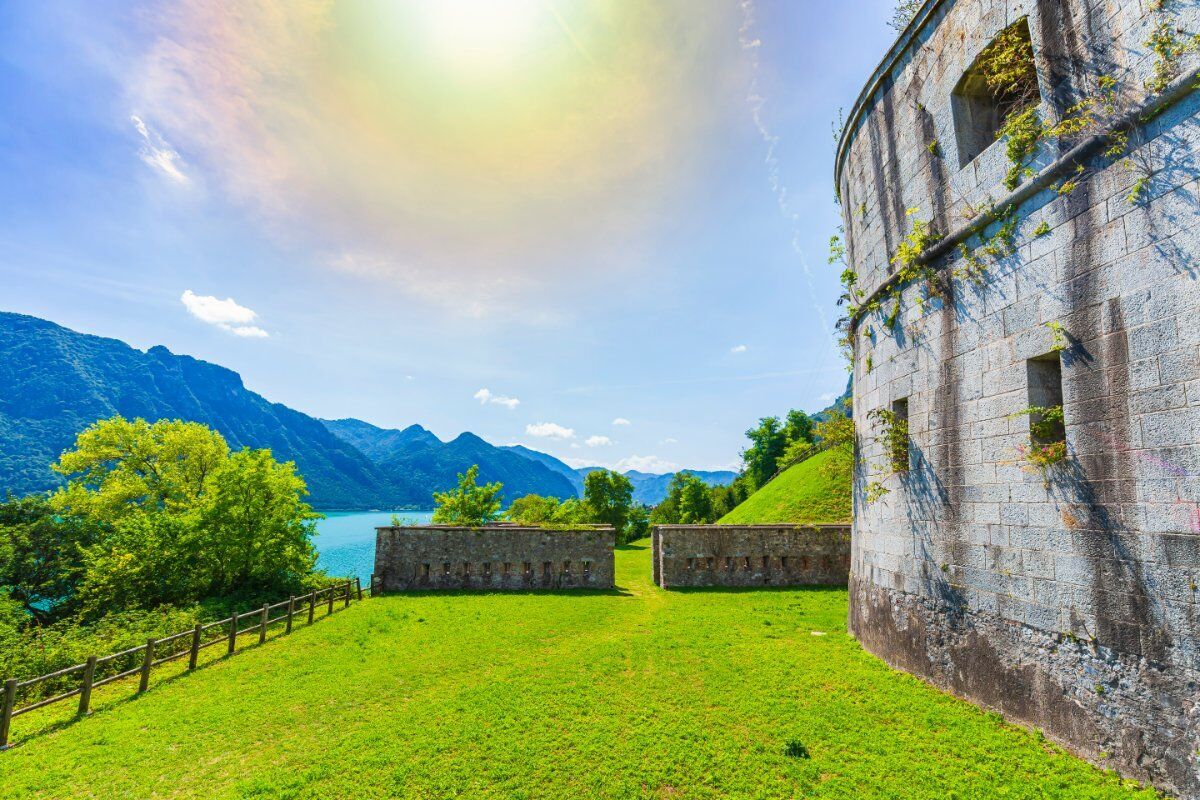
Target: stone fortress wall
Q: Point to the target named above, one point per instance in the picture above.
(1069, 603)
(750, 555)
(492, 558)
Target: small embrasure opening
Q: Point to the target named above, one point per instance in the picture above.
(1047, 425)
(898, 449)
(1001, 84)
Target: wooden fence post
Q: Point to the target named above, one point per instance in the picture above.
(347, 603)
(291, 610)
(330, 609)
(197, 632)
(10, 699)
(262, 623)
(233, 632)
(358, 587)
(312, 605)
(85, 693)
(146, 662)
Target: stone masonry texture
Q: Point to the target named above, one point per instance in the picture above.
(1068, 604)
(750, 555)
(493, 558)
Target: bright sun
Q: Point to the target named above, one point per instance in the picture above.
(483, 34)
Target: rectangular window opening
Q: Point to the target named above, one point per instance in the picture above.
(546, 565)
(527, 567)
(487, 569)
(691, 564)
(587, 569)
(766, 563)
(708, 563)
(446, 568)
(566, 567)
(424, 570)
(746, 565)
(1000, 84)
(1047, 424)
(898, 440)
(783, 562)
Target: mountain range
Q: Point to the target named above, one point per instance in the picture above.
(54, 382)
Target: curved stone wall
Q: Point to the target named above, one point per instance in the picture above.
(1067, 604)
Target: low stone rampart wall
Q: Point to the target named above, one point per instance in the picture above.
(492, 558)
(750, 555)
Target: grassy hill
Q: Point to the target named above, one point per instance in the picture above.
(635, 693)
(802, 493)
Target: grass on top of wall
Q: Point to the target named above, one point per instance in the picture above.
(813, 491)
(636, 693)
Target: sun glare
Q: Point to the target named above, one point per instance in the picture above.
(484, 34)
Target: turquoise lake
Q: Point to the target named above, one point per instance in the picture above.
(345, 540)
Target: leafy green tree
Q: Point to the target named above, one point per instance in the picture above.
(119, 466)
(176, 518)
(798, 428)
(532, 509)
(257, 529)
(609, 497)
(41, 556)
(695, 501)
(638, 526)
(145, 561)
(572, 511)
(767, 443)
(470, 505)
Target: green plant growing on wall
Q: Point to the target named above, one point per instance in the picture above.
(1042, 229)
(1168, 44)
(1047, 448)
(1058, 341)
(892, 435)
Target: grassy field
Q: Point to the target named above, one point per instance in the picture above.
(635, 693)
(800, 494)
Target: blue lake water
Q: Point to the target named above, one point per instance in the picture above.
(345, 540)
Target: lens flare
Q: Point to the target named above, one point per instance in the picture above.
(483, 34)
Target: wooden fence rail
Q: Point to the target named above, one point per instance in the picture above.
(156, 652)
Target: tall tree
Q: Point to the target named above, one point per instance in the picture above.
(767, 443)
(469, 505)
(609, 496)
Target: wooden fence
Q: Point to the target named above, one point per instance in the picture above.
(161, 651)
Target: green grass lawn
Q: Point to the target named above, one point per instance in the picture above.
(634, 693)
(802, 493)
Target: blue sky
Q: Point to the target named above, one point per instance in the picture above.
(423, 216)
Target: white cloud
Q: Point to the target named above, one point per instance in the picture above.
(829, 397)
(226, 314)
(157, 154)
(738, 348)
(621, 421)
(485, 396)
(598, 441)
(647, 464)
(550, 430)
(670, 440)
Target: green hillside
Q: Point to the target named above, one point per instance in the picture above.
(635, 693)
(803, 493)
